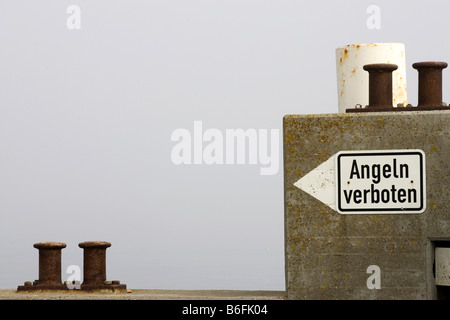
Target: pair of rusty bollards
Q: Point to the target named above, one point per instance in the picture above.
(94, 271)
(380, 87)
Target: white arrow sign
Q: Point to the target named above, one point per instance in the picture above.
(370, 181)
(321, 183)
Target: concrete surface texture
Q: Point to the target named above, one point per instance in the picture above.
(329, 255)
(144, 294)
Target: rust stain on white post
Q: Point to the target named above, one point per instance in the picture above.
(353, 81)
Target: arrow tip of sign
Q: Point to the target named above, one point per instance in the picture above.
(320, 183)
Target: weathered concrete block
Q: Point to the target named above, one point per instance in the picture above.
(328, 253)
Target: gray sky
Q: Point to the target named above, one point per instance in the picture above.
(86, 118)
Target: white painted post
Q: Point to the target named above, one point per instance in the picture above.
(353, 81)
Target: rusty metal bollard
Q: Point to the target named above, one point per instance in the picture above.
(380, 88)
(430, 82)
(94, 269)
(94, 257)
(49, 262)
(380, 84)
(49, 267)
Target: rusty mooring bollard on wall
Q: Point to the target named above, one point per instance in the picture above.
(94, 274)
(50, 262)
(380, 88)
(94, 262)
(49, 267)
(430, 83)
(94, 267)
(380, 84)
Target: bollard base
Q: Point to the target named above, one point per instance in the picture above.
(42, 287)
(112, 288)
(387, 109)
(104, 287)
